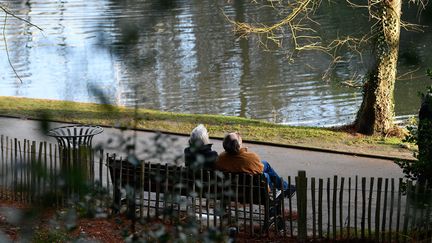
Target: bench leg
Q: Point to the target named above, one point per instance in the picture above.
(117, 200)
(131, 206)
(277, 221)
(275, 216)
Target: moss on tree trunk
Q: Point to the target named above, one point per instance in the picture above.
(376, 112)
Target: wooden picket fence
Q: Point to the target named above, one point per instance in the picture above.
(39, 172)
(379, 209)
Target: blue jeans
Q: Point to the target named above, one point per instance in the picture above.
(272, 176)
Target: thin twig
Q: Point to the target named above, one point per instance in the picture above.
(7, 50)
(408, 75)
(7, 11)
(354, 5)
(412, 27)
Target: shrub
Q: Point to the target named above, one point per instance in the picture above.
(421, 135)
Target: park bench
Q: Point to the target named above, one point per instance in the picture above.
(232, 192)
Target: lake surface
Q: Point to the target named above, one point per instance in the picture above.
(182, 56)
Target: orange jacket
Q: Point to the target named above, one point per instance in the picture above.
(248, 162)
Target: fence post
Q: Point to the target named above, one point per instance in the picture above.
(407, 213)
(3, 171)
(302, 205)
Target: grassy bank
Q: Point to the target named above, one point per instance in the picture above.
(107, 115)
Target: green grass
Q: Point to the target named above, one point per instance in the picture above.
(218, 125)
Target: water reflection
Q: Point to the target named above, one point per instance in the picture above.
(182, 56)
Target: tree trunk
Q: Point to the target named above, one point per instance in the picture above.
(376, 112)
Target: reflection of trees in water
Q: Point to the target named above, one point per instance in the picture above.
(187, 53)
(62, 51)
(187, 58)
(135, 46)
(183, 56)
(55, 63)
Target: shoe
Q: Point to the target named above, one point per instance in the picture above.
(289, 192)
(278, 192)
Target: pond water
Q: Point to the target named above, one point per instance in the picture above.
(182, 56)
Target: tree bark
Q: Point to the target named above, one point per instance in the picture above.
(376, 112)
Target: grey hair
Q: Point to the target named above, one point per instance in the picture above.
(231, 144)
(199, 136)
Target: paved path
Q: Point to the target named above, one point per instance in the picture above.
(285, 160)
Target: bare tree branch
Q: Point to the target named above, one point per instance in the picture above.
(7, 51)
(245, 28)
(8, 12)
(408, 75)
(305, 38)
(412, 27)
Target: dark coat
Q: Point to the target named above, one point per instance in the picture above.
(200, 157)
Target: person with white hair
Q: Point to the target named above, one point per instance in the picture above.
(199, 154)
(237, 158)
